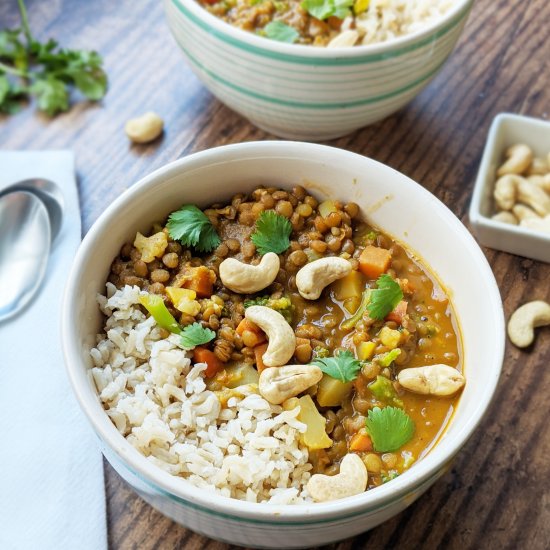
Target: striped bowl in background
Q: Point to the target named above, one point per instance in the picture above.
(304, 92)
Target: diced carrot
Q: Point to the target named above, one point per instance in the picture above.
(258, 354)
(248, 326)
(360, 442)
(201, 280)
(398, 313)
(374, 261)
(204, 355)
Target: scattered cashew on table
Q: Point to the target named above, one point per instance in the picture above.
(522, 323)
(522, 191)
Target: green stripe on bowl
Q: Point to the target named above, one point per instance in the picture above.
(303, 60)
(302, 105)
(279, 71)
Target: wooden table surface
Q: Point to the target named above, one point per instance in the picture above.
(497, 494)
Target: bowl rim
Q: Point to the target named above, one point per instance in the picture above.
(300, 53)
(179, 489)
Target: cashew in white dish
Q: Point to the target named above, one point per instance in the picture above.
(351, 480)
(247, 279)
(512, 188)
(345, 39)
(277, 384)
(522, 212)
(280, 335)
(438, 380)
(145, 128)
(537, 224)
(538, 166)
(519, 158)
(525, 319)
(505, 217)
(541, 181)
(315, 276)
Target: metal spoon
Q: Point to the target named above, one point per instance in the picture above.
(50, 194)
(25, 240)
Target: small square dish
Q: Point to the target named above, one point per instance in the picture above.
(507, 130)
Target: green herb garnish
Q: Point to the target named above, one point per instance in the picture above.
(323, 9)
(196, 335)
(283, 305)
(389, 428)
(272, 233)
(384, 298)
(191, 227)
(45, 71)
(277, 30)
(343, 366)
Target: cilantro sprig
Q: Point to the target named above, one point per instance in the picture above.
(44, 70)
(272, 233)
(196, 335)
(191, 227)
(343, 366)
(323, 9)
(389, 428)
(384, 298)
(277, 30)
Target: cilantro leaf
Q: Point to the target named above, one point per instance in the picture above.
(343, 366)
(272, 233)
(277, 30)
(42, 69)
(323, 9)
(384, 298)
(191, 227)
(389, 428)
(52, 95)
(195, 335)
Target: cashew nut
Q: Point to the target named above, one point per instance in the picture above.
(519, 158)
(145, 128)
(541, 181)
(538, 166)
(537, 224)
(505, 217)
(247, 279)
(522, 212)
(315, 276)
(351, 480)
(344, 40)
(525, 319)
(511, 188)
(280, 335)
(431, 380)
(277, 384)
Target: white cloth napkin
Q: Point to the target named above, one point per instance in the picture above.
(51, 473)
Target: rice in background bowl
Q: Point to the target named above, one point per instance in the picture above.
(301, 92)
(391, 201)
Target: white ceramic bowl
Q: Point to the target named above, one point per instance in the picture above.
(390, 200)
(304, 92)
(506, 130)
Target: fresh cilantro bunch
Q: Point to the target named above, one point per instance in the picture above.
(44, 70)
(323, 9)
(191, 227)
(343, 366)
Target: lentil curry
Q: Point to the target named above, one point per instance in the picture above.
(381, 337)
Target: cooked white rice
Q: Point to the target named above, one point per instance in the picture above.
(249, 450)
(388, 19)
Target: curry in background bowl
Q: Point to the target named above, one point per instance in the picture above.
(281, 513)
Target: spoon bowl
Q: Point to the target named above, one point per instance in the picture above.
(25, 240)
(49, 193)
